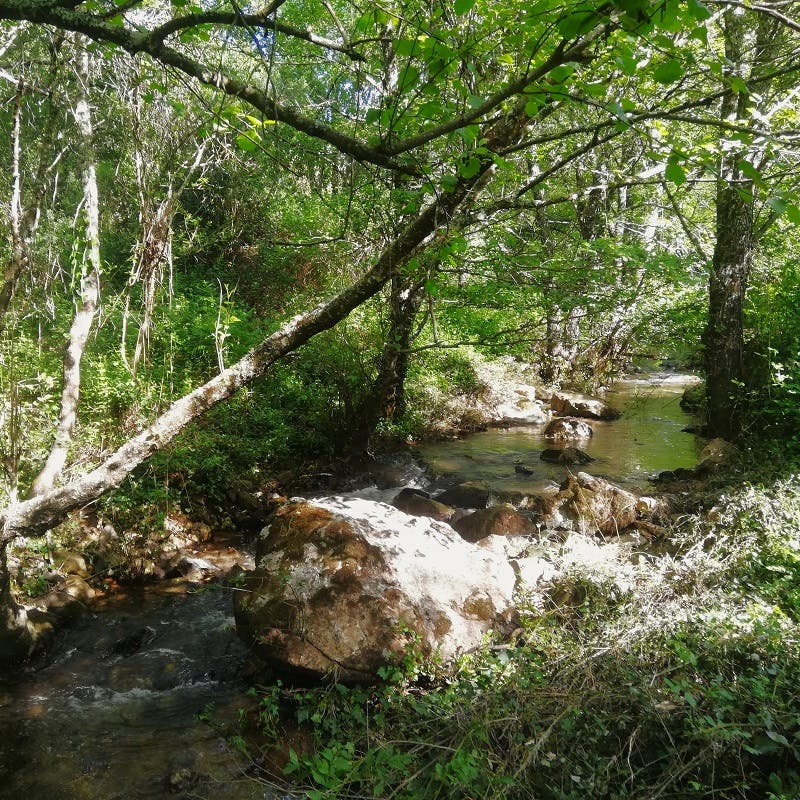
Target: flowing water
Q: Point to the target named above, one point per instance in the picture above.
(113, 711)
(646, 440)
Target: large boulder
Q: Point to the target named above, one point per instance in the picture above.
(563, 429)
(500, 520)
(579, 405)
(717, 454)
(520, 407)
(587, 504)
(343, 586)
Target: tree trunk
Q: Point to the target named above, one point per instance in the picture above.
(723, 336)
(387, 399)
(24, 217)
(89, 293)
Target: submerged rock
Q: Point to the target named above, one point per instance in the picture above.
(466, 495)
(565, 455)
(346, 586)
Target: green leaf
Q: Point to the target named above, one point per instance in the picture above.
(698, 10)
(461, 7)
(404, 47)
(749, 171)
(778, 737)
(669, 72)
(738, 85)
(449, 183)
(700, 33)
(578, 23)
(409, 77)
(246, 143)
(597, 89)
(793, 214)
(373, 115)
(532, 107)
(470, 168)
(560, 73)
(431, 110)
(674, 173)
(778, 205)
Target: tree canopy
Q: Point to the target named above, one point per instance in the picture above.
(541, 177)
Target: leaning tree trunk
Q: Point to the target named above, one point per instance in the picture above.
(89, 294)
(37, 514)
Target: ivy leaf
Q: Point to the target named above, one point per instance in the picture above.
(461, 7)
(669, 72)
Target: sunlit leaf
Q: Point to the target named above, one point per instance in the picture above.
(669, 72)
(463, 6)
(674, 173)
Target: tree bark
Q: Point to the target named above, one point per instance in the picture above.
(89, 291)
(387, 399)
(723, 337)
(24, 217)
(745, 45)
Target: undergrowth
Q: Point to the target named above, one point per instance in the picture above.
(685, 686)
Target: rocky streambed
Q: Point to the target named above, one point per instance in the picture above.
(341, 585)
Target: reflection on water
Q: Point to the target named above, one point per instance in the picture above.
(114, 714)
(647, 439)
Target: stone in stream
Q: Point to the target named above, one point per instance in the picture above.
(587, 504)
(578, 405)
(565, 455)
(345, 587)
(498, 520)
(567, 428)
(420, 504)
(466, 495)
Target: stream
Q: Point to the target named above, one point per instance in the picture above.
(647, 439)
(112, 713)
